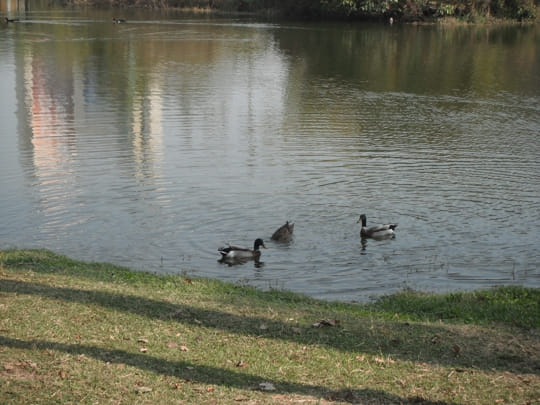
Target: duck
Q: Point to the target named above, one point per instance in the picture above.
(10, 20)
(238, 253)
(283, 233)
(118, 20)
(376, 231)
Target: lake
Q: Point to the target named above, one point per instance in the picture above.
(150, 144)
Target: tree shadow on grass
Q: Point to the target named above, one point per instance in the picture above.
(210, 375)
(436, 344)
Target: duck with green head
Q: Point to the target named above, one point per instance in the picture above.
(239, 253)
(385, 231)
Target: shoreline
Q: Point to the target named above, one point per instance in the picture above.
(399, 11)
(103, 271)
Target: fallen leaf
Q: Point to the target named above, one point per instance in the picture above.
(142, 390)
(361, 358)
(171, 345)
(326, 322)
(263, 327)
(142, 340)
(143, 349)
(210, 389)
(266, 386)
(184, 348)
(62, 374)
(188, 280)
(241, 364)
(382, 360)
(436, 339)
(457, 350)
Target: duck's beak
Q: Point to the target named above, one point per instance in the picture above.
(264, 246)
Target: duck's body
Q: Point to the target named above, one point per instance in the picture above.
(118, 20)
(283, 233)
(239, 253)
(376, 231)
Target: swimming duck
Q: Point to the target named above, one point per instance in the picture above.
(118, 20)
(283, 233)
(239, 253)
(376, 231)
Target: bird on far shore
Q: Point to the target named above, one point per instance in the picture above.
(118, 20)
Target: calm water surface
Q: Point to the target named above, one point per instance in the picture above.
(150, 144)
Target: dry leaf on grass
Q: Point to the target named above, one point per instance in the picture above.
(142, 390)
(457, 350)
(266, 386)
(326, 322)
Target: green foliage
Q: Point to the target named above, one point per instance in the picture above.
(517, 306)
(406, 10)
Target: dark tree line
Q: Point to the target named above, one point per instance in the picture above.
(407, 10)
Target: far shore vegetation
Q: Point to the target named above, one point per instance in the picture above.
(475, 11)
(76, 332)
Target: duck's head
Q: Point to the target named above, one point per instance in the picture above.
(258, 243)
(362, 219)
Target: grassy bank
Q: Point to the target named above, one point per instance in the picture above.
(74, 332)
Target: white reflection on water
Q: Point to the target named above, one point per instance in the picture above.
(151, 147)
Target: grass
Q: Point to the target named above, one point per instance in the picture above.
(74, 332)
